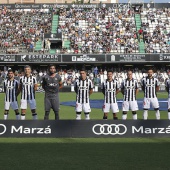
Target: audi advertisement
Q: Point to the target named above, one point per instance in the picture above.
(85, 129)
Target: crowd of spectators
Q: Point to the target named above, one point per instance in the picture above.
(96, 74)
(102, 30)
(20, 29)
(156, 30)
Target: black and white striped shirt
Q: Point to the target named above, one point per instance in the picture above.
(27, 84)
(149, 85)
(11, 89)
(82, 88)
(129, 87)
(167, 84)
(109, 89)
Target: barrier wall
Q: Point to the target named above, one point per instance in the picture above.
(85, 128)
(85, 58)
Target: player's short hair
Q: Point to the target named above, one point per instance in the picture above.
(109, 71)
(83, 69)
(27, 66)
(129, 70)
(10, 70)
(150, 68)
(51, 65)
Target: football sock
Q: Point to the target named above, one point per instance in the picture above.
(135, 116)
(17, 116)
(78, 115)
(105, 117)
(169, 115)
(157, 114)
(34, 116)
(46, 117)
(22, 116)
(145, 114)
(5, 116)
(124, 116)
(56, 115)
(87, 116)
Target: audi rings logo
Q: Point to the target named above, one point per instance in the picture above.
(112, 129)
(2, 129)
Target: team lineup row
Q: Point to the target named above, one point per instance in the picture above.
(83, 86)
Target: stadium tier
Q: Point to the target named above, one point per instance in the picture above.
(98, 30)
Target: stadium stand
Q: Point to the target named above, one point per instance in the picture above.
(21, 31)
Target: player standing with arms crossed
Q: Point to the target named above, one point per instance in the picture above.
(150, 85)
(28, 86)
(110, 89)
(129, 89)
(11, 89)
(83, 88)
(51, 83)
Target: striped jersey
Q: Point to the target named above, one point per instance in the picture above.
(82, 88)
(167, 84)
(129, 87)
(27, 84)
(11, 89)
(109, 89)
(149, 85)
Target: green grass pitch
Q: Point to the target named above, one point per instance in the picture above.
(85, 153)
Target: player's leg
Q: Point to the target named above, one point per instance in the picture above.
(32, 104)
(146, 106)
(169, 108)
(6, 110)
(106, 109)
(115, 110)
(87, 110)
(155, 105)
(47, 104)
(23, 109)
(125, 109)
(78, 110)
(55, 107)
(134, 107)
(14, 106)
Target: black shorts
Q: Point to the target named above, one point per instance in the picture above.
(51, 103)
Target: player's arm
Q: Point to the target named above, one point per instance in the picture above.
(137, 88)
(166, 85)
(20, 86)
(103, 88)
(43, 83)
(35, 84)
(122, 88)
(75, 87)
(17, 88)
(91, 88)
(157, 86)
(117, 91)
(60, 83)
(142, 85)
(4, 87)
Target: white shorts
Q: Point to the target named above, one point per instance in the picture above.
(168, 103)
(83, 107)
(113, 106)
(32, 104)
(129, 105)
(14, 105)
(148, 101)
